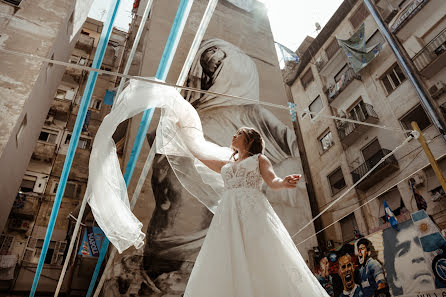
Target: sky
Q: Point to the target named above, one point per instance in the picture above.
(291, 20)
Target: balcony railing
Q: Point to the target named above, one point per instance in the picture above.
(432, 50)
(348, 131)
(348, 76)
(385, 168)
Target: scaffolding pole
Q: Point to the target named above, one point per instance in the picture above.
(163, 69)
(83, 108)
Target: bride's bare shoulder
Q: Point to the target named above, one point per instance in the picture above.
(263, 159)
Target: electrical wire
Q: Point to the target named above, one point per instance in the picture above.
(150, 80)
(368, 201)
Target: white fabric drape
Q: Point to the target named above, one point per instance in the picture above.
(106, 190)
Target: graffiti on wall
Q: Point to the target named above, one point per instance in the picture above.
(409, 261)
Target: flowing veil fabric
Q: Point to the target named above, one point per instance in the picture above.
(179, 137)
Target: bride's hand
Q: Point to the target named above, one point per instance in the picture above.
(290, 181)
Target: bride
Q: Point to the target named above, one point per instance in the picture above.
(247, 251)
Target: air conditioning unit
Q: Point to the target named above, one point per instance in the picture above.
(437, 89)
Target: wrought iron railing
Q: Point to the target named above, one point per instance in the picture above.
(365, 167)
(364, 112)
(348, 76)
(431, 51)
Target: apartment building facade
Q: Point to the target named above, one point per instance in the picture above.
(340, 153)
(26, 225)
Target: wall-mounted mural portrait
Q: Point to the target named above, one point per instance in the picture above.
(408, 260)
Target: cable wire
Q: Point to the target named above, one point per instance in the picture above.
(254, 101)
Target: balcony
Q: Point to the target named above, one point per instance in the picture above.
(349, 132)
(387, 167)
(44, 151)
(62, 106)
(25, 206)
(346, 78)
(432, 58)
(85, 43)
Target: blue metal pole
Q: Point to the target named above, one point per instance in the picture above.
(163, 69)
(83, 108)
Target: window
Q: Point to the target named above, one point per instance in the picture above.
(393, 78)
(307, 78)
(54, 254)
(84, 143)
(78, 60)
(375, 39)
(358, 112)
(72, 190)
(326, 141)
(341, 72)
(332, 48)
(48, 136)
(28, 183)
(96, 103)
(66, 93)
(5, 243)
(418, 115)
(13, 2)
(359, 16)
(348, 227)
(316, 106)
(337, 182)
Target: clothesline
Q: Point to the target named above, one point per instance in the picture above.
(254, 101)
(355, 184)
(368, 201)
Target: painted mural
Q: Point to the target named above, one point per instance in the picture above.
(408, 260)
(179, 223)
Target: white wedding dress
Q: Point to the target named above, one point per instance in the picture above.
(247, 251)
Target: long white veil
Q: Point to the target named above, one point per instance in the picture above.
(179, 137)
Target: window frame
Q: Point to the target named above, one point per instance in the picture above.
(387, 74)
(8, 240)
(49, 132)
(33, 250)
(322, 136)
(94, 101)
(303, 80)
(355, 14)
(77, 190)
(332, 49)
(87, 141)
(333, 192)
(322, 106)
(409, 126)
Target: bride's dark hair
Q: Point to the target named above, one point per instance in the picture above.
(254, 141)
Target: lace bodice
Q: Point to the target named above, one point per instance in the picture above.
(243, 174)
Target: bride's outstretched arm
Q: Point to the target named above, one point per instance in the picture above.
(214, 165)
(272, 180)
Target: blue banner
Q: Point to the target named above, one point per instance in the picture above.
(91, 242)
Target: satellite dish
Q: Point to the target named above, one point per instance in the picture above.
(318, 26)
